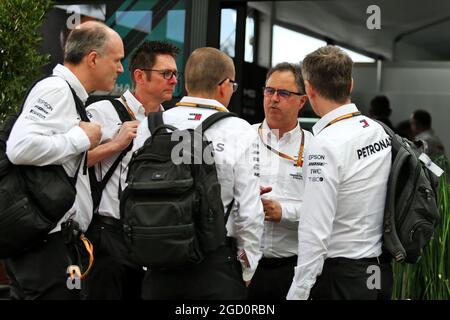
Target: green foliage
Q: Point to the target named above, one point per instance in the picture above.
(430, 278)
(19, 40)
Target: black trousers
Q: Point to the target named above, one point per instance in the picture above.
(41, 272)
(217, 277)
(348, 279)
(113, 275)
(272, 279)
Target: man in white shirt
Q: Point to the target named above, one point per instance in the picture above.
(346, 172)
(153, 71)
(281, 147)
(92, 61)
(209, 76)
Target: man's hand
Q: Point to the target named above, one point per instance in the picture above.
(126, 134)
(263, 190)
(272, 210)
(93, 131)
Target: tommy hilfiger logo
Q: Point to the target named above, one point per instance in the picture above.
(195, 116)
(364, 122)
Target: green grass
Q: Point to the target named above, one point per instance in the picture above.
(429, 279)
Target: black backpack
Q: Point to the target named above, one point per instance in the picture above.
(32, 198)
(173, 213)
(411, 212)
(97, 187)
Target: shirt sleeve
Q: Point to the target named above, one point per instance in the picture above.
(319, 209)
(290, 213)
(249, 220)
(47, 131)
(100, 112)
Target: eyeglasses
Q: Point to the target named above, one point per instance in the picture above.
(235, 84)
(282, 93)
(167, 74)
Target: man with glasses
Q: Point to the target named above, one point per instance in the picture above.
(281, 147)
(223, 274)
(153, 71)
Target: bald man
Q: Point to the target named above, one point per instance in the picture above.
(223, 274)
(49, 131)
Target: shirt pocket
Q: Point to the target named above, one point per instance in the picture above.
(293, 183)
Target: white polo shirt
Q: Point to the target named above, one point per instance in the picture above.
(280, 239)
(47, 132)
(235, 144)
(104, 113)
(346, 172)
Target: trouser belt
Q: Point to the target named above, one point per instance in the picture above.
(114, 223)
(375, 260)
(276, 262)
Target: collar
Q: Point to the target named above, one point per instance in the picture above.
(292, 133)
(66, 74)
(334, 114)
(202, 101)
(134, 104)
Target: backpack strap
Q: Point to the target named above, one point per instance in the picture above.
(156, 123)
(122, 112)
(124, 116)
(155, 120)
(212, 119)
(227, 214)
(79, 105)
(388, 130)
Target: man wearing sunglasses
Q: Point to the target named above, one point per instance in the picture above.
(209, 76)
(281, 147)
(153, 71)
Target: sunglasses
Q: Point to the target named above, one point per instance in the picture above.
(235, 84)
(282, 93)
(167, 74)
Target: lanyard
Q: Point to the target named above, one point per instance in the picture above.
(345, 116)
(132, 115)
(206, 106)
(299, 161)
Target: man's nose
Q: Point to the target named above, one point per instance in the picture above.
(275, 97)
(174, 80)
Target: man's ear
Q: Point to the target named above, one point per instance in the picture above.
(351, 86)
(309, 89)
(91, 58)
(221, 89)
(138, 76)
(303, 100)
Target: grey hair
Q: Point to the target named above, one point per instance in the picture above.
(292, 67)
(81, 41)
